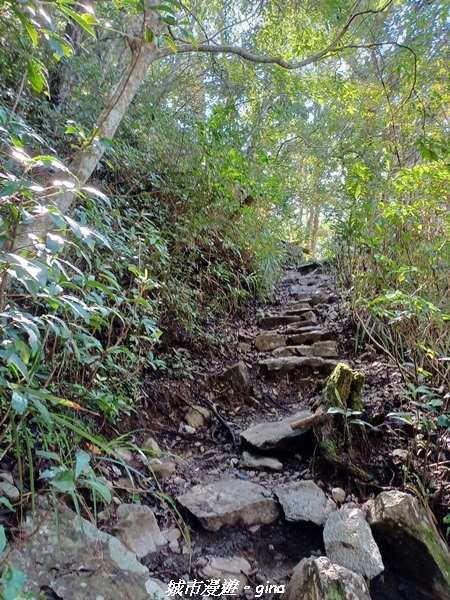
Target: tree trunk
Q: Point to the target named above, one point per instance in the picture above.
(86, 159)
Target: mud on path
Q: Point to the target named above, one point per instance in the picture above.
(306, 321)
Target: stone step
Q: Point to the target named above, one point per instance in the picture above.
(324, 366)
(325, 349)
(308, 336)
(301, 326)
(265, 342)
(275, 435)
(273, 321)
(298, 311)
(229, 502)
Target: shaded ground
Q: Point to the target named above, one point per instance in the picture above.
(388, 450)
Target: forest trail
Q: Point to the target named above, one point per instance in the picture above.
(254, 492)
(287, 351)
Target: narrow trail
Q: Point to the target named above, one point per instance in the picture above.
(231, 492)
(249, 490)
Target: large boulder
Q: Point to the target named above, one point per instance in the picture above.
(408, 536)
(318, 579)
(75, 560)
(228, 502)
(349, 542)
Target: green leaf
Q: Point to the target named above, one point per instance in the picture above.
(336, 410)
(2, 538)
(48, 455)
(18, 364)
(36, 76)
(148, 35)
(443, 421)
(161, 7)
(82, 462)
(9, 506)
(101, 489)
(19, 402)
(64, 481)
(54, 243)
(170, 41)
(81, 19)
(189, 36)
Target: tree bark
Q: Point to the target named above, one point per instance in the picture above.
(86, 159)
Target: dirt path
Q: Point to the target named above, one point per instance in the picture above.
(285, 356)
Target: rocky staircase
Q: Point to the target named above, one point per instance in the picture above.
(260, 526)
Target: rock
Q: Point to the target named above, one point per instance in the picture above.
(138, 530)
(302, 306)
(260, 463)
(245, 337)
(338, 495)
(269, 341)
(275, 435)
(230, 501)
(70, 554)
(349, 542)
(184, 428)
(244, 346)
(304, 501)
(233, 567)
(7, 476)
(123, 454)
(290, 363)
(308, 336)
(318, 579)
(9, 491)
(302, 292)
(151, 444)
(400, 455)
(293, 351)
(154, 588)
(309, 316)
(273, 321)
(300, 309)
(320, 297)
(408, 536)
(162, 469)
(326, 349)
(172, 535)
(237, 377)
(197, 416)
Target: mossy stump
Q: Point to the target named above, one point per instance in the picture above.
(336, 436)
(343, 388)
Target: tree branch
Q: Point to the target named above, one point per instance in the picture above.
(332, 48)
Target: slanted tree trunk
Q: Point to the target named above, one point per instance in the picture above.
(86, 159)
